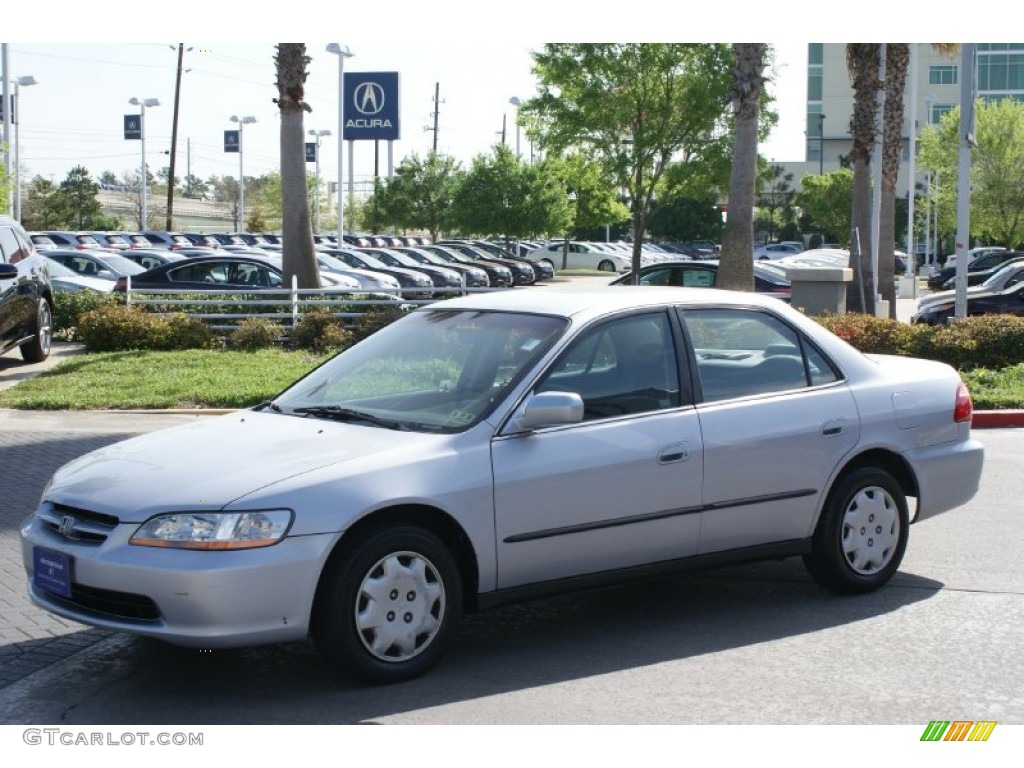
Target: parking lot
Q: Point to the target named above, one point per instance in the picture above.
(757, 644)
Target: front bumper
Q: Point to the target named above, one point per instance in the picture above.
(208, 599)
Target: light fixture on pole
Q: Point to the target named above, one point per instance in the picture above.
(316, 194)
(26, 81)
(144, 179)
(242, 122)
(343, 52)
(515, 102)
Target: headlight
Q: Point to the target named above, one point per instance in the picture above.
(214, 530)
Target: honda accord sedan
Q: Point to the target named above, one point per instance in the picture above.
(502, 446)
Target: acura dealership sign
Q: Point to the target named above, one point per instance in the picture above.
(371, 106)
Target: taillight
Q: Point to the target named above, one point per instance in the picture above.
(963, 409)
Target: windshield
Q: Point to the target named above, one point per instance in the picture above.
(433, 370)
(999, 276)
(121, 265)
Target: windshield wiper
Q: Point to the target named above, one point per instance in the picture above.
(268, 404)
(348, 414)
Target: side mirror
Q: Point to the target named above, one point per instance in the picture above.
(548, 409)
(8, 271)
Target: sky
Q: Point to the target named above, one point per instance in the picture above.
(478, 56)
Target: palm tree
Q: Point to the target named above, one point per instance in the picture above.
(299, 256)
(736, 270)
(862, 61)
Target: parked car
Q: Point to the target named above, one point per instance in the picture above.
(704, 274)
(522, 271)
(581, 256)
(776, 250)
(978, 272)
(218, 273)
(499, 275)
(169, 240)
(80, 240)
(415, 284)
(1005, 277)
(447, 280)
(522, 443)
(154, 258)
(938, 277)
(205, 241)
(542, 270)
(950, 260)
(26, 296)
(475, 277)
(1008, 301)
(111, 240)
(107, 265)
(64, 280)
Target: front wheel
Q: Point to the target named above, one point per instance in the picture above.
(387, 604)
(606, 266)
(38, 349)
(862, 534)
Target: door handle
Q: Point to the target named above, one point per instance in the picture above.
(833, 427)
(673, 453)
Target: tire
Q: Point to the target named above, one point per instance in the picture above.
(862, 534)
(606, 266)
(38, 349)
(549, 263)
(386, 605)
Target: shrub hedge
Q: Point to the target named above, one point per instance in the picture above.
(989, 341)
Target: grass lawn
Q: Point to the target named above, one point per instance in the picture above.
(142, 380)
(205, 379)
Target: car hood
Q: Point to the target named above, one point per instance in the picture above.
(944, 296)
(216, 460)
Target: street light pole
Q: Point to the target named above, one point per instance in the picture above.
(242, 122)
(343, 52)
(16, 119)
(515, 102)
(144, 180)
(316, 194)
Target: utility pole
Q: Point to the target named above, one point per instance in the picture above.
(437, 111)
(174, 141)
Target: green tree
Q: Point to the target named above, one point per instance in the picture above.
(79, 193)
(502, 195)
(828, 201)
(43, 207)
(193, 187)
(108, 178)
(775, 201)
(296, 228)
(633, 107)
(681, 219)
(420, 194)
(997, 169)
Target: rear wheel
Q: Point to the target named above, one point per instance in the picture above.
(387, 604)
(38, 349)
(606, 266)
(862, 534)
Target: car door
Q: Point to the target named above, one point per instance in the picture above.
(620, 489)
(16, 304)
(776, 418)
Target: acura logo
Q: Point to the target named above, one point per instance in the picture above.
(368, 98)
(67, 525)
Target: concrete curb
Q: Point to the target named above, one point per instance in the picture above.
(1005, 418)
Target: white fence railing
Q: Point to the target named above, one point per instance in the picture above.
(354, 302)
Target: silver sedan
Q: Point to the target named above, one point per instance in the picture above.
(499, 447)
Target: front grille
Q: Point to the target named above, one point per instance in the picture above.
(107, 602)
(76, 524)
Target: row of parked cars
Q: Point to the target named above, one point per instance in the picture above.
(404, 266)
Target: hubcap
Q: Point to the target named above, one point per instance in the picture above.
(871, 530)
(400, 605)
(45, 328)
